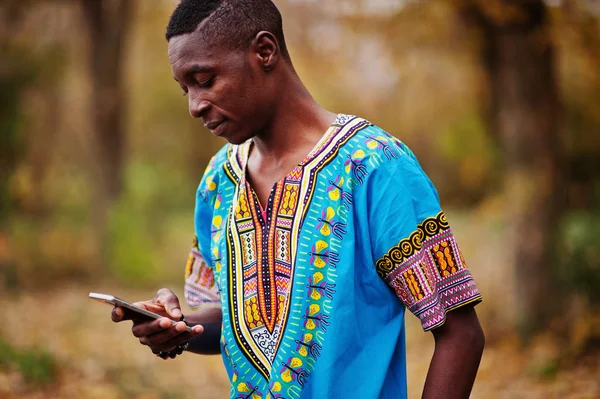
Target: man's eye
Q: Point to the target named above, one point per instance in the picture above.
(207, 82)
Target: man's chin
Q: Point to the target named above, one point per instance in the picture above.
(237, 139)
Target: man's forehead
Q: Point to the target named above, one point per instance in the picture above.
(190, 45)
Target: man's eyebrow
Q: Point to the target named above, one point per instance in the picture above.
(194, 69)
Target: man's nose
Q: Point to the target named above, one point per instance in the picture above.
(198, 107)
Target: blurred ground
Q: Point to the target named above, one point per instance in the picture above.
(95, 358)
(430, 72)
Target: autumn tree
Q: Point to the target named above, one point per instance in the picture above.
(108, 24)
(524, 115)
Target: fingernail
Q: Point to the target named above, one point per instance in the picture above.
(176, 312)
(198, 329)
(180, 327)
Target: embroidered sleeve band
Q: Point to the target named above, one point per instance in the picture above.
(200, 287)
(428, 272)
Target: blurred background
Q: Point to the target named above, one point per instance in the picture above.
(99, 162)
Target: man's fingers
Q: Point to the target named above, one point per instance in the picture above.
(168, 299)
(149, 305)
(170, 337)
(146, 328)
(117, 314)
(159, 338)
(120, 314)
(172, 306)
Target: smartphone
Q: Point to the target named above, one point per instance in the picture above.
(114, 301)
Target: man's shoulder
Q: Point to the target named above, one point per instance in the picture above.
(211, 183)
(219, 159)
(374, 147)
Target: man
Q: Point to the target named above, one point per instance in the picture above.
(314, 232)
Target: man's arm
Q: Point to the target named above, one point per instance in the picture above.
(207, 343)
(458, 348)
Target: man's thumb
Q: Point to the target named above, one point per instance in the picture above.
(172, 307)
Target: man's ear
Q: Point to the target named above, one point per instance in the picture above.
(266, 49)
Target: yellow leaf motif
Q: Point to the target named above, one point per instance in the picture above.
(303, 351)
(321, 245)
(313, 309)
(330, 213)
(286, 375)
(319, 261)
(317, 277)
(334, 194)
(307, 338)
(242, 387)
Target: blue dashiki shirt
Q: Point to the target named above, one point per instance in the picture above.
(313, 289)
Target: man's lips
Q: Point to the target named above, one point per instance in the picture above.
(213, 124)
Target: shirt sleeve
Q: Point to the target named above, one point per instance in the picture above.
(414, 247)
(201, 288)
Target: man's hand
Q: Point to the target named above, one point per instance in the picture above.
(161, 334)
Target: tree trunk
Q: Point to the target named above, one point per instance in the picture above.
(108, 22)
(524, 116)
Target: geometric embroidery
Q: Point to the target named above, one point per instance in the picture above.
(412, 282)
(200, 287)
(266, 266)
(444, 258)
(428, 273)
(262, 245)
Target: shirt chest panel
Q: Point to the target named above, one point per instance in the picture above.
(278, 274)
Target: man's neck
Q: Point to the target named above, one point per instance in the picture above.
(298, 124)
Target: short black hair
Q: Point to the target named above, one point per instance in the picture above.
(233, 23)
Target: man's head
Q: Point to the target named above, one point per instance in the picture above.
(227, 55)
